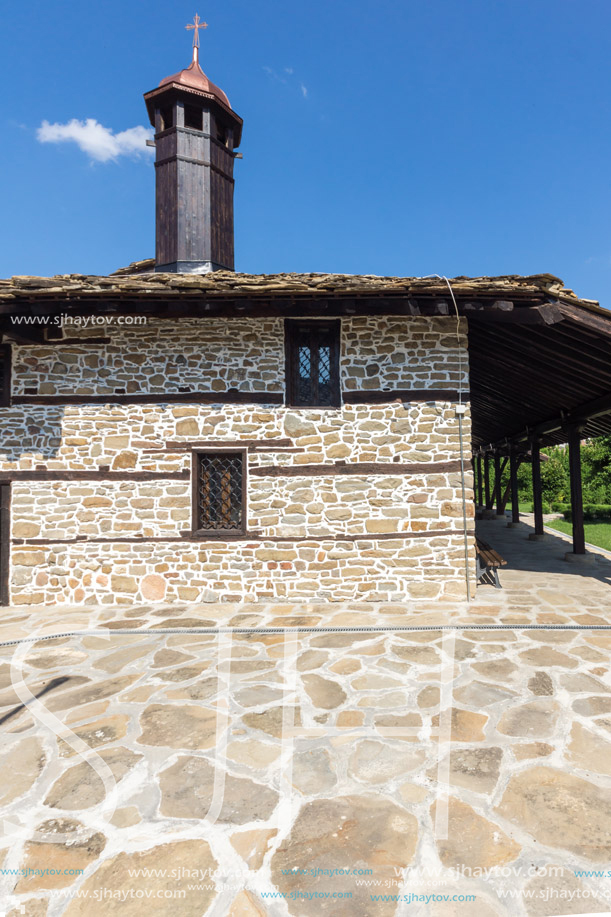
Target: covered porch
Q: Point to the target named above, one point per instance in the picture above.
(540, 375)
(538, 585)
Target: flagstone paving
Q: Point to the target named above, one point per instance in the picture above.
(251, 764)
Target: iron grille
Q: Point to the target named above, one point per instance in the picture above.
(305, 374)
(220, 491)
(313, 364)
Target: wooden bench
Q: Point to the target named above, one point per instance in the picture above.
(488, 562)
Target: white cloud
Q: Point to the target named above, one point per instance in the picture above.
(286, 76)
(275, 76)
(97, 141)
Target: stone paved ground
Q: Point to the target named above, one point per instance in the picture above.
(240, 764)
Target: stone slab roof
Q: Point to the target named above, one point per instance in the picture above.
(138, 280)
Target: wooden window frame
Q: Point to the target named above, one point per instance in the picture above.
(222, 534)
(291, 330)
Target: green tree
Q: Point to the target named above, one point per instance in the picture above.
(596, 469)
(525, 482)
(555, 480)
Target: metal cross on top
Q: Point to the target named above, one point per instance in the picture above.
(195, 27)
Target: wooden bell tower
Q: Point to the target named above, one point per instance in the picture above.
(196, 134)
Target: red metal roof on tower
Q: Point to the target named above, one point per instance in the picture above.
(195, 78)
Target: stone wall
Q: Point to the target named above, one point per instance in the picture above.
(316, 533)
(247, 354)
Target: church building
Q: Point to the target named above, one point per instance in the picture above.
(180, 432)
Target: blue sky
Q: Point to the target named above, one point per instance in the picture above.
(391, 137)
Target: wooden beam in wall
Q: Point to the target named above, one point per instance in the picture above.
(344, 468)
(337, 468)
(93, 475)
(253, 446)
(374, 396)
(229, 397)
(254, 537)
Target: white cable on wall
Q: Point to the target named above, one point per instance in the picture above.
(460, 412)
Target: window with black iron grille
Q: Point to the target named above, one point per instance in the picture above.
(312, 363)
(219, 491)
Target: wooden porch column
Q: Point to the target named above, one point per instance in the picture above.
(537, 491)
(498, 495)
(579, 538)
(513, 480)
(488, 503)
(480, 482)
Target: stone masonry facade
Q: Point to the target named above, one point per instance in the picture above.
(332, 533)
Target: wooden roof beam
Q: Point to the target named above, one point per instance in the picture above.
(586, 319)
(504, 312)
(591, 410)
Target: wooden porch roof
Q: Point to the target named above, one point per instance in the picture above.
(541, 378)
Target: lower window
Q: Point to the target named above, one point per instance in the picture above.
(219, 491)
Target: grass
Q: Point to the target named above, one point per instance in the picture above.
(529, 508)
(547, 507)
(598, 533)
